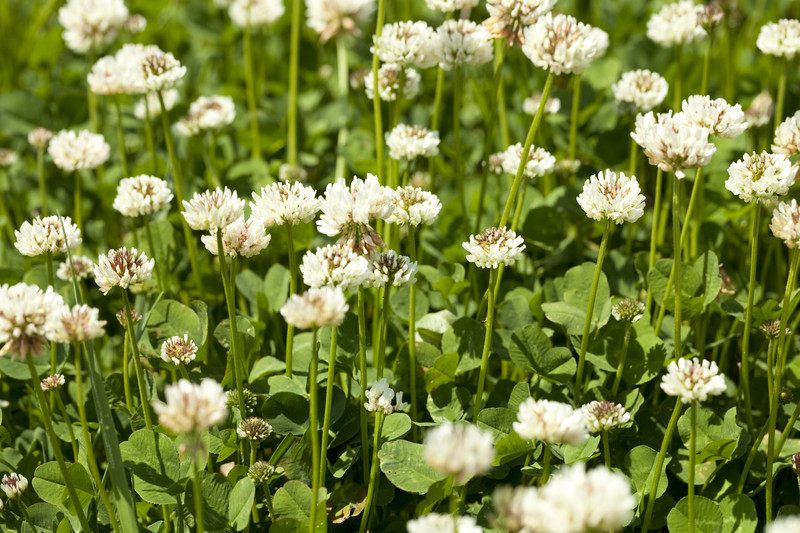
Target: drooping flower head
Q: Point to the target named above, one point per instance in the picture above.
(562, 45)
(315, 308)
(285, 203)
(464, 42)
(255, 12)
(540, 161)
(494, 247)
(178, 350)
(210, 210)
(760, 110)
(246, 238)
(76, 151)
(380, 396)
(91, 24)
(673, 142)
(390, 269)
(331, 18)
(54, 382)
(459, 450)
(720, 118)
(82, 266)
(602, 416)
(334, 265)
(676, 23)
(772, 329)
(640, 90)
(509, 18)
(77, 324)
(438, 523)
(207, 113)
(408, 43)
(389, 77)
(191, 408)
(47, 235)
(122, 268)
(410, 142)
(786, 223)
(413, 206)
(612, 196)
(26, 316)
(551, 422)
(14, 485)
(760, 176)
(787, 136)
(39, 138)
(781, 39)
(691, 379)
(142, 195)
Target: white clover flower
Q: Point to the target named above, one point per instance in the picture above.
(787, 136)
(81, 265)
(563, 45)
(459, 450)
(389, 76)
(122, 268)
(107, 77)
(191, 408)
(786, 223)
(39, 138)
(781, 39)
(540, 161)
(413, 206)
(75, 151)
(410, 142)
(334, 266)
(691, 379)
(207, 113)
(379, 399)
(673, 142)
(628, 310)
(448, 6)
(493, 247)
(178, 350)
(246, 238)
(676, 23)
(390, 269)
(8, 157)
(348, 210)
(531, 105)
(142, 195)
(463, 42)
(551, 422)
(315, 308)
(420, 179)
(130, 62)
(408, 43)
(255, 12)
(611, 196)
(285, 203)
(254, 429)
(760, 176)
(602, 416)
(495, 163)
(289, 172)
(720, 118)
(77, 324)
(161, 71)
(640, 89)
(91, 24)
(135, 23)
(784, 524)
(440, 523)
(509, 18)
(760, 110)
(152, 108)
(330, 18)
(54, 382)
(210, 210)
(26, 315)
(512, 505)
(46, 235)
(14, 485)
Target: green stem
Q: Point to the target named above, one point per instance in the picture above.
(67, 422)
(692, 458)
(606, 450)
(362, 364)
(77, 199)
(126, 379)
(781, 97)
(51, 280)
(380, 356)
(212, 180)
(344, 85)
(632, 164)
(573, 118)
(787, 430)
(623, 356)
(121, 138)
(42, 185)
(412, 335)
(230, 301)
(587, 325)
(292, 290)
(376, 97)
(458, 162)
(526, 150)
(706, 58)
(487, 344)
(518, 208)
(373, 474)
(548, 458)
(251, 93)
(751, 456)
(148, 132)
(314, 431)
(676, 82)
(294, 61)
(198, 496)
(748, 317)
(137, 364)
(27, 517)
(326, 422)
(651, 496)
(152, 250)
(676, 243)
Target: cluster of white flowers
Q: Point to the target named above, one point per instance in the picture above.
(494, 247)
(413, 206)
(410, 142)
(691, 379)
(109, 77)
(26, 317)
(315, 308)
(673, 142)
(784, 524)
(191, 408)
(330, 18)
(91, 24)
(77, 324)
(380, 396)
(438, 523)
(142, 195)
(676, 23)
(82, 266)
(509, 18)
(786, 223)
(760, 110)
(459, 450)
(780, 38)
(242, 237)
(540, 161)
(254, 429)
(255, 12)
(210, 210)
(178, 350)
(76, 151)
(613, 196)
(551, 422)
(54, 382)
(628, 310)
(562, 45)
(8, 157)
(390, 269)
(39, 138)
(448, 6)
(14, 485)
(719, 117)
(161, 71)
(284, 203)
(207, 113)
(787, 136)
(760, 176)
(408, 43)
(640, 90)
(46, 235)
(602, 416)
(149, 107)
(531, 105)
(389, 77)
(334, 265)
(463, 42)
(122, 268)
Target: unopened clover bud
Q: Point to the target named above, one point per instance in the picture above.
(260, 471)
(250, 400)
(628, 310)
(14, 485)
(122, 319)
(254, 429)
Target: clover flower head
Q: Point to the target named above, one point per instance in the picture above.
(408, 43)
(493, 247)
(674, 143)
(210, 210)
(27, 314)
(413, 207)
(47, 235)
(551, 422)
(178, 350)
(459, 450)
(463, 42)
(786, 223)
(602, 416)
(388, 269)
(389, 77)
(122, 268)
(640, 90)
(721, 119)
(77, 151)
(334, 265)
(142, 195)
(79, 323)
(612, 196)
(562, 45)
(315, 308)
(781, 39)
(760, 176)
(509, 18)
(255, 12)
(191, 408)
(380, 396)
(207, 113)
(246, 238)
(540, 161)
(691, 379)
(676, 23)
(410, 142)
